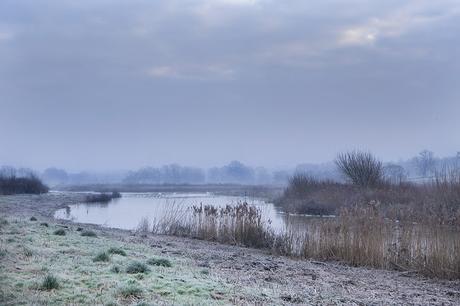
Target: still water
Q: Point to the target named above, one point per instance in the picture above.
(128, 211)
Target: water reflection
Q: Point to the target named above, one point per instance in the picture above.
(128, 211)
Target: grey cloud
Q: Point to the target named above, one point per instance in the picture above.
(107, 84)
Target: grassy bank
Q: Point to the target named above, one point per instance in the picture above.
(47, 264)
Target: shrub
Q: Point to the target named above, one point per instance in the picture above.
(88, 234)
(33, 219)
(137, 267)
(44, 224)
(308, 195)
(59, 232)
(102, 197)
(116, 195)
(162, 262)
(361, 168)
(130, 291)
(102, 256)
(11, 184)
(50, 282)
(118, 251)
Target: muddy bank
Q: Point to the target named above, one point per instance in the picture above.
(254, 276)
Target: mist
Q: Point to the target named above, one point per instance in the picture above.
(202, 83)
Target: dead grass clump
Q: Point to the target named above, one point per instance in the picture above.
(50, 282)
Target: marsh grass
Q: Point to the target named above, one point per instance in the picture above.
(361, 235)
(241, 224)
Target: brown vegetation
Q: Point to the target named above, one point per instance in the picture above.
(407, 227)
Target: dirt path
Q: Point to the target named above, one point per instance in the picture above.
(257, 277)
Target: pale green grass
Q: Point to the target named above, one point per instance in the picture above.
(32, 252)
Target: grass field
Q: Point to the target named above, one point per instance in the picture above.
(40, 267)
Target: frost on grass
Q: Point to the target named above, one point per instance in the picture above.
(74, 261)
(130, 291)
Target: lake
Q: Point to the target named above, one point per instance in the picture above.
(128, 211)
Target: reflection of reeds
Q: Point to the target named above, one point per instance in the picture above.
(360, 236)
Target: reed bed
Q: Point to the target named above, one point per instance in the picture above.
(361, 236)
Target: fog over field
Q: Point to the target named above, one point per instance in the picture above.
(103, 85)
(229, 152)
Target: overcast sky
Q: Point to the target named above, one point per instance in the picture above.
(110, 84)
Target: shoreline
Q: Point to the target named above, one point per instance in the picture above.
(252, 275)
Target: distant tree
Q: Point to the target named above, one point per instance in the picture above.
(169, 174)
(7, 172)
(54, 176)
(360, 168)
(395, 174)
(262, 176)
(425, 163)
(237, 172)
(281, 177)
(23, 181)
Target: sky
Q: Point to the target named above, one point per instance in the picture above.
(121, 84)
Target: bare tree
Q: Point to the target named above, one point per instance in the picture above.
(361, 168)
(395, 174)
(425, 163)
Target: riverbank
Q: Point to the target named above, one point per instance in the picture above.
(201, 272)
